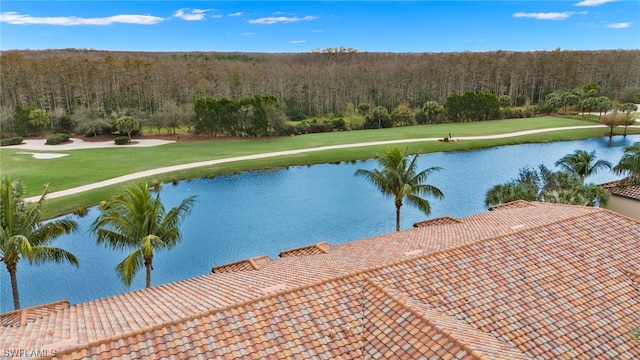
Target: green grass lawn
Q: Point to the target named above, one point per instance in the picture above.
(91, 165)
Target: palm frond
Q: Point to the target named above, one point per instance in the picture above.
(128, 267)
(47, 232)
(44, 254)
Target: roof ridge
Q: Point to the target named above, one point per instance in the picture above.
(474, 353)
(236, 266)
(23, 315)
(208, 312)
(355, 273)
(616, 214)
(512, 204)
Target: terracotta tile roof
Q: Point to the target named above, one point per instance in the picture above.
(541, 281)
(315, 249)
(618, 188)
(22, 316)
(345, 318)
(552, 292)
(512, 205)
(437, 221)
(254, 263)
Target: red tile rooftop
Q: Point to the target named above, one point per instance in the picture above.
(618, 188)
(526, 280)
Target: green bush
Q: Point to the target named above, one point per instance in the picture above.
(56, 139)
(17, 140)
(121, 140)
(339, 124)
(81, 211)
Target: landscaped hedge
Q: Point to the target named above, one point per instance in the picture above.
(56, 139)
(17, 140)
(121, 140)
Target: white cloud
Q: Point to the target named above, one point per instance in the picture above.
(298, 41)
(19, 19)
(593, 2)
(247, 34)
(622, 25)
(317, 31)
(191, 14)
(239, 13)
(545, 16)
(280, 19)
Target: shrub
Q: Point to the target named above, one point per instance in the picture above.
(302, 128)
(121, 140)
(339, 124)
(17, 140)
(64, 125)
(56, 139)
(370, 123)
(81, 211)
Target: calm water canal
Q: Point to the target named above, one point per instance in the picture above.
(265, 212)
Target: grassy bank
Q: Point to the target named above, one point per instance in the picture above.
(87, 166)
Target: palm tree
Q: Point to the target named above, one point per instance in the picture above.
(582, 163)
(136, 220)
(547, 186)
(508, 192)
(23, 236)
(398, 179)
(629, 164)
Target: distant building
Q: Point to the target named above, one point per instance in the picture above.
(624, 199)
(525, 280)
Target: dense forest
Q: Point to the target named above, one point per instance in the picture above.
(335, 81)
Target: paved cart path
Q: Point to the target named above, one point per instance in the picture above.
(79, 144)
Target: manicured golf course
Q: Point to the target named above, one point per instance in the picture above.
(87, 166)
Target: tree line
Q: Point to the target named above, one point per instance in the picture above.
(65, 82)
(265, 115)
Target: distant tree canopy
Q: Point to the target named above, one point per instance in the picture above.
(312, 84)
(234, 94)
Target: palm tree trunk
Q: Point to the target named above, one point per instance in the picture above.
(14, 285)
(398, 205)
(147, 264)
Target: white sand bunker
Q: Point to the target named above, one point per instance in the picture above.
(44, 155)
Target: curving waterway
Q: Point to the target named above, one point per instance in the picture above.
(264, 212)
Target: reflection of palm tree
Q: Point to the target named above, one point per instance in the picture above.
(135, 220)
(582, 163)
(629, 165)
(399, 180)
(23, 236)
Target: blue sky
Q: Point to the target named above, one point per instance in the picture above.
(302, 26)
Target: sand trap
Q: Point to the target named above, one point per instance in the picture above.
(44, 156)
(40, 144)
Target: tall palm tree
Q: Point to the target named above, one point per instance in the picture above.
(398, 178)
(629, 165)
(582, 163)
(136, 220)
(24, 236)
